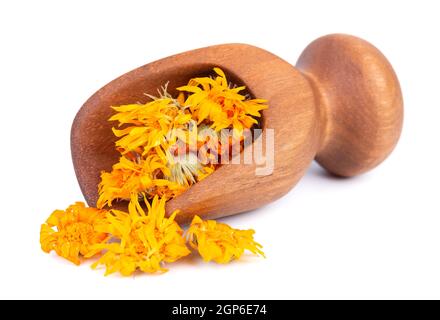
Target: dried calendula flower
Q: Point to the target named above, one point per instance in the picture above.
(72, 232)
(220, 104)
(168, 144)
(219, 242)
(149, 125)
(165, 145)
(141, 240)
(138, 176)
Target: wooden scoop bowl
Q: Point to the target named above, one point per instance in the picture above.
(340, 105)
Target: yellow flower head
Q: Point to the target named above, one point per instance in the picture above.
(219, 242)
(148, 125)
(137, 176)
(72, 232)
(168, 144)
(222, 106)
(144, 241)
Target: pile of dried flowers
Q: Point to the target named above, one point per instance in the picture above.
(165, 146)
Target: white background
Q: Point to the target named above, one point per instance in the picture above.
(374, 236)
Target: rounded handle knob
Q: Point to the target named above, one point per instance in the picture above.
(359, 99)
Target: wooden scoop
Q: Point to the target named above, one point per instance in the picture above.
(340, 105)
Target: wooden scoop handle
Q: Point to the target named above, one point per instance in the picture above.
(359, 100)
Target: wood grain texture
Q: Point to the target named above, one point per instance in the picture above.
(315, 110)
(361, 102)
